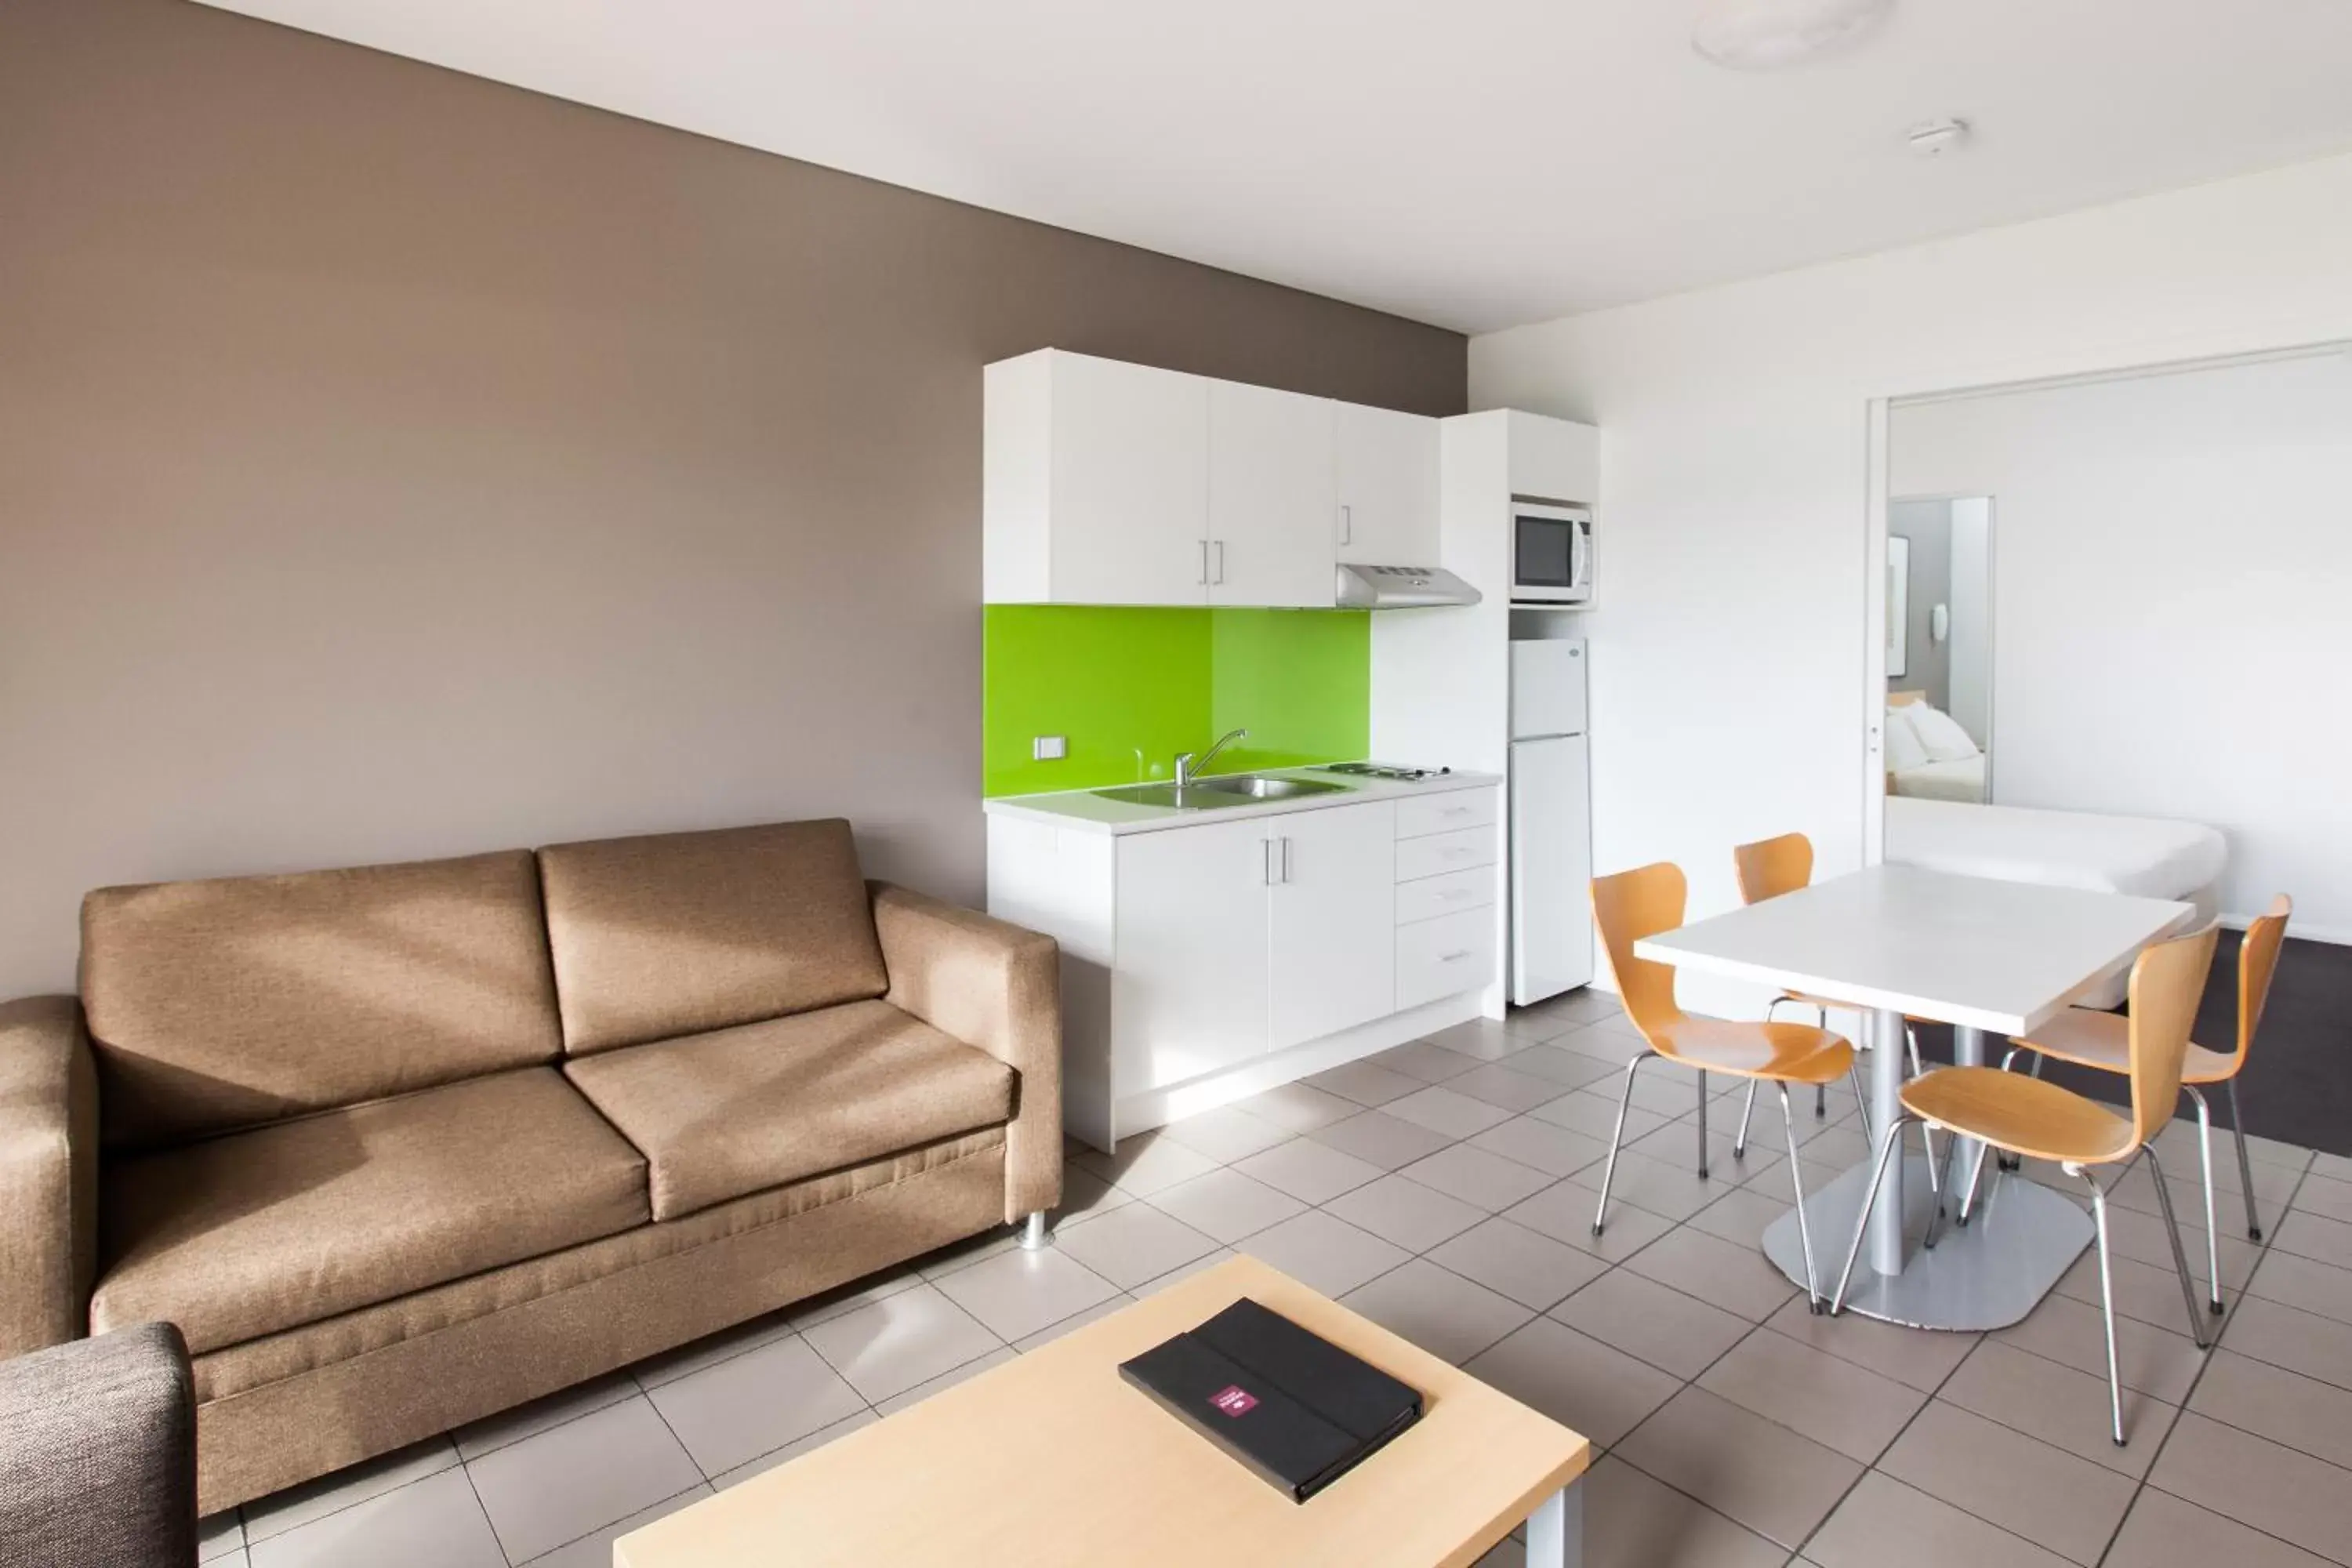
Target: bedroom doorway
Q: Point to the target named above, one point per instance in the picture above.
(2173, 555)
(1939, 629)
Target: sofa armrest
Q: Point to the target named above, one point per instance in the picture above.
(97, 1454)
(995, 986)
(48, 1172)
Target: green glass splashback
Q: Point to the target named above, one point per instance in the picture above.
(1132, 687)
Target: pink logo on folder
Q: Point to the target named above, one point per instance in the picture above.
(1234, 1400)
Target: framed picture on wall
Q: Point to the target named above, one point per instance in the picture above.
(1898, 606)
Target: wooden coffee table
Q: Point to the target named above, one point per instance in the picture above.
(1051, 1462)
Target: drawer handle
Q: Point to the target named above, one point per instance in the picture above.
(1456, 811)
(1452, 893)
(1452, 957)
(1456, 854)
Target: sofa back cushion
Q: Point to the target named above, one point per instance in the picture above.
(681, 932)
(222, 1004)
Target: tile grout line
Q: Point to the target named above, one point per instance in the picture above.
(488, 1522)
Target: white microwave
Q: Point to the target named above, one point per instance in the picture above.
(1551, 554)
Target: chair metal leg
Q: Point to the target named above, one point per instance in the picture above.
(2212, 1232)
(1813, 1301)
(1820, 1090)
(1861, 1100)
(1951, 1146)
(1911, 1043)
(2245, 1166)
(1739, 1144)
(2108, 1300)
(1702, 1124)
(1869, 1202)
(2179, 1258)
(1976, 1176)
(1609, 1171)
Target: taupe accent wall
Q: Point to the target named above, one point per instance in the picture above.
(395, 464)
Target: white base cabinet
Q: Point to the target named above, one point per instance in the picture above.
(1197, 959)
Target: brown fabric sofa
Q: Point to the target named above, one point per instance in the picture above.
(401, 1146)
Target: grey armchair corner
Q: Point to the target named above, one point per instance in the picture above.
(97, 1454)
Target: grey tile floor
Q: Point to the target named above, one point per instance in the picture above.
(1446, 1189)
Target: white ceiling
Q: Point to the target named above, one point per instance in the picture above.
(1475, 164)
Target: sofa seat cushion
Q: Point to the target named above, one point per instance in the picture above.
(731, 1111)
(260, 1231)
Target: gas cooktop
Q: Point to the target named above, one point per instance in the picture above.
(1386, 771)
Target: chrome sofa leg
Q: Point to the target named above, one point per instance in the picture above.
(1035, 1233)
(2245, 1166)
(1609, 1171)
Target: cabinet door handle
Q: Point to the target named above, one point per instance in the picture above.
(1204, 578)
(1347, 525)
(1286, 859)
(1221, 560)
(1265, 860)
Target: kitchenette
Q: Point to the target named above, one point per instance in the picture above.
(1260, 743)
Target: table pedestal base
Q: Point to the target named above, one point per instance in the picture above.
(2019, 1240)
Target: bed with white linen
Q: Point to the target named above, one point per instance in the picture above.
(2145, 856)
(1929, 754)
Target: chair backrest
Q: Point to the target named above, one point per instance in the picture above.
(2258, 957)
(2168, 981)
(1773, 867)
(1628, 907)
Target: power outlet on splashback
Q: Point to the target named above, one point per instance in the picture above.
(1049, 748)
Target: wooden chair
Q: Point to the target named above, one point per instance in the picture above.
(1767, 869)
(2092, 1038)
(2041, 1120)
(1632, 905)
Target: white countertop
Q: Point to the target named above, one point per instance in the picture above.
(1995, 955)
(1084, 808)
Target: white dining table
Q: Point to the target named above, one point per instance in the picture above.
(1985, 957)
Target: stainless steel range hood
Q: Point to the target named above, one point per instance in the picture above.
(1401, 588)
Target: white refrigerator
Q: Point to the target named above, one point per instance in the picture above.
(1551, 821)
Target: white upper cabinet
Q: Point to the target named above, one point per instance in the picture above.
(1270, 468)
(1106, 483)
(1552, 459)
(1387, 478)
(1095, 488)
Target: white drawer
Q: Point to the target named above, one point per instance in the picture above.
(1446, 895)
(1459, 851)
(1440, 957)
(1417, 818)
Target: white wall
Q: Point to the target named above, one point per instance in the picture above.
(1735, 489)
(1972, 650)
(2174, 591)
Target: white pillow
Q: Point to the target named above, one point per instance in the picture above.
(1904, 750)
(1942, 734)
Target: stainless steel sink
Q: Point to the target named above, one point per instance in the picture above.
(1208, 795)
(1256, 787)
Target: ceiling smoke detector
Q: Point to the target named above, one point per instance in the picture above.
(1937, 137)
(1765, 35)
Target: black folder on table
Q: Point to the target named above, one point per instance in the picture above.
(1290, 1404)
